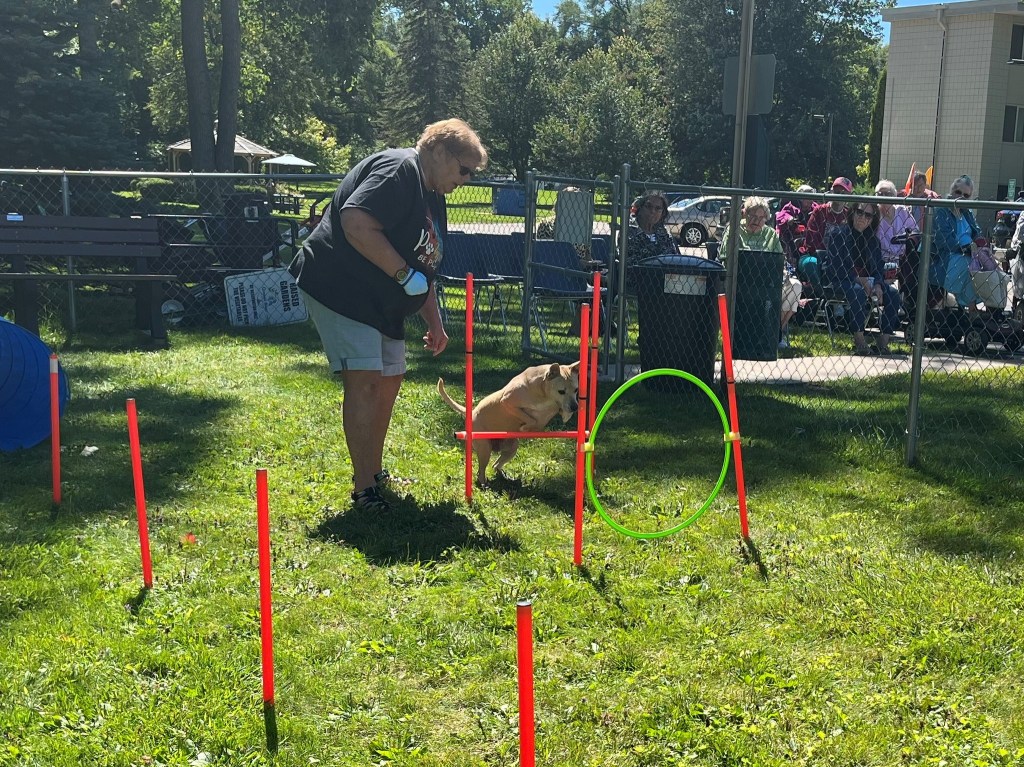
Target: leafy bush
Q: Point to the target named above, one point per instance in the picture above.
(155, 190)
(255, 190)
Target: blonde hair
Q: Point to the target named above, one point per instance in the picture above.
(457, 137)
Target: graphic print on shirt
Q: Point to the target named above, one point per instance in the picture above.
(428, 249)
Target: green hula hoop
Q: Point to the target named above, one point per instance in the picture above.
(593, 437)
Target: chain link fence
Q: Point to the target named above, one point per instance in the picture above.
(951, 376)
(225, 238)
(916, 353)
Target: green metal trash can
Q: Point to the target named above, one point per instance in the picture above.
(758, 313)
(677, 304)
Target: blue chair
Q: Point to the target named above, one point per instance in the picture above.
(462, 255)
(557, 278)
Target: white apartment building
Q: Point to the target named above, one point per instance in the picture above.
(954, 95)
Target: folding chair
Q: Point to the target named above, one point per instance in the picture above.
(829, 302)
(557, 277)
(461, 256)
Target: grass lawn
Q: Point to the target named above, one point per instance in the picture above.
(875, 619)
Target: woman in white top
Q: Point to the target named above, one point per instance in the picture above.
(892, 220)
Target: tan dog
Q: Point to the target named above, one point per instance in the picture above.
(526, 403)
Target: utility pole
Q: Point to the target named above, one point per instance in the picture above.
(828, 155)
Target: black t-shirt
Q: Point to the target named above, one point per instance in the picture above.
(389, 187)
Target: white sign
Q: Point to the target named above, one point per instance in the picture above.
(1011, 189)
(685, 284)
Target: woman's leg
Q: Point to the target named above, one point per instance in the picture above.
(366, 415)
(958, 281)
(889, 320)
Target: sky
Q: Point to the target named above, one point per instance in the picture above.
(546, 9)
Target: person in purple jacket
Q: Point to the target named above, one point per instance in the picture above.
(370, 263)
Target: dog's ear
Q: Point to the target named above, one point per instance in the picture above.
(554, 371)
(574, 367)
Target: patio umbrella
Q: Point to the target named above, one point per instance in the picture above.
(290, 159)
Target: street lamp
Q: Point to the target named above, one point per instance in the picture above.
(828, 155)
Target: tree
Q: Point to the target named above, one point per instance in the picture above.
(511, 91)
(875, 135)
(826, 54)
(427, 83)
(610, 108)
(60, 104)
(480, 20)
(206, 155)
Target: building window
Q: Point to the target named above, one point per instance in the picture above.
(1013, 124)
(1017, 42)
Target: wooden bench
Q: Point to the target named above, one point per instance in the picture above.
(36, 248)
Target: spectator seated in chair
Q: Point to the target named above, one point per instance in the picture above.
(954, 233)
(754, 234)
(650, 237)
(791, 223)
(892, 220)
(853, 264)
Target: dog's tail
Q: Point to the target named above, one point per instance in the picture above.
(460, 409)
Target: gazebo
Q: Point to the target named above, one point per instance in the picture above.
(250, 152)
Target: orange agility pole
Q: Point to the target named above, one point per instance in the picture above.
(140, 493)
(266, 621)
(524, 656)
(734, 417)
(586, 385)
(468, 434)
(55, 427)
(582, 432)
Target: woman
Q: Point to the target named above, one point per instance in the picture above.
(955, 229)
(791, 222)
(650, 237)
(853, 264)
(892, 220)
(755, 234)
(369, 264)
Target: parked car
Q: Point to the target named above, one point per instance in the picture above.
(691, 221)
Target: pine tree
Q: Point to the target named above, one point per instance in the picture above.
(427, 83)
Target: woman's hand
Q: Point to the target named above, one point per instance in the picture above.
(435, 339)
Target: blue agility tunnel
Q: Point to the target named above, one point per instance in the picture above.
(25, 388)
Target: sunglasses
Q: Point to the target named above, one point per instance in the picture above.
(463, 170)
(863, 213)
(654, 206)
(962, 194)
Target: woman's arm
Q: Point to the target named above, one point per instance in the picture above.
(366, 235)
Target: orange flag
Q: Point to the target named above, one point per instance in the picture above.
(910, 180)
(928, 175)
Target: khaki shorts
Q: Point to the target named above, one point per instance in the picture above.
(351, 345)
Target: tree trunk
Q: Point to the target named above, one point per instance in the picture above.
(197, 85)
(230, 82)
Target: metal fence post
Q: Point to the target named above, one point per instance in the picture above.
(65, 193)
(620, 277)
(531, 229)
(913, 406)
(616, 224)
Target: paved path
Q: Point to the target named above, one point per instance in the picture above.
(805, 370)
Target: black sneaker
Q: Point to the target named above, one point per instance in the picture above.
(370, 499)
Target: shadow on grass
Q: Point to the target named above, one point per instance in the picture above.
(513, 489)
(752, 555)
(411, 532)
